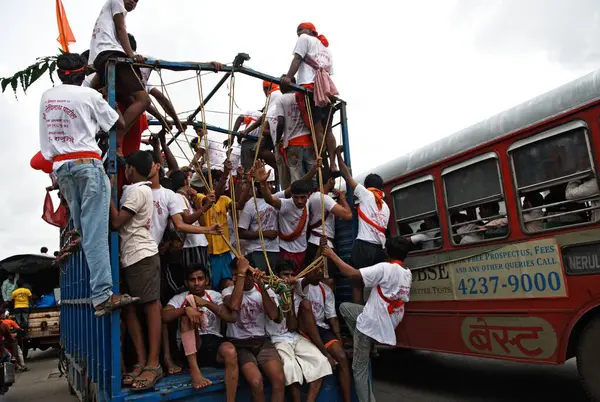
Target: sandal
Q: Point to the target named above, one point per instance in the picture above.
(111, 305)
(148, 384)
(129, 378)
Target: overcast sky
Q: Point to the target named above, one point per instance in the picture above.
(411, 71)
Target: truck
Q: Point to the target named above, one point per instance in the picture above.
(92, 346)
(41, 274)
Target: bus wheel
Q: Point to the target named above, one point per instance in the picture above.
(588, 359)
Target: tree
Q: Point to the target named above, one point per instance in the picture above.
(30, 75)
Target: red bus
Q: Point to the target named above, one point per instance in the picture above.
(505, 220)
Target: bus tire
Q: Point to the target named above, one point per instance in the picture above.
(588, 359)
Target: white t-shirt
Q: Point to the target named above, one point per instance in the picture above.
(213, 322)
(287, 107)
(104, 36)
(289, 220)
(251, 116)
(321, 298)
(191, 240)
(70, 117)
(268, 219)
(251, 318)
(375, 321)
(314, 205)
(368, 206)
(136, 241)
(280, 332)
(309, 45)
(272, 116)
(166, 204)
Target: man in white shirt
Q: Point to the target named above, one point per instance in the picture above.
(293, 135)
(110, 40)
(140, 265)
(312, 50)
(253, 304)
(293, 219)
(378, 319)
(247, 137)
(301, 359)
(8, 286)
(70, 117)
(577, 190)
(200, 312)
(324, 331)
(333, 209)
(248, 230)
(373, 219)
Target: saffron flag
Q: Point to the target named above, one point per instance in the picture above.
(65, 35)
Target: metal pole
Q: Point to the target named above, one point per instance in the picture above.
(115, 317)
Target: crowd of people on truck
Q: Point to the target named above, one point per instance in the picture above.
(197, 243)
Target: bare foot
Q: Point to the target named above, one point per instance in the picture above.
(198, 380)
(172, 368)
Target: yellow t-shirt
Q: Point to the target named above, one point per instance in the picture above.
(21, 297)
(216, 244)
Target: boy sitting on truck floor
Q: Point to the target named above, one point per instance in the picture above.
(252, 304)
(377, 320)
(200, 312)
(327, 329)
(301, 359)
(140, 265)
(374, 216)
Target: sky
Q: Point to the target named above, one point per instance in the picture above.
(411, 72)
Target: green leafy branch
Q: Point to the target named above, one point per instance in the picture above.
(30, 75)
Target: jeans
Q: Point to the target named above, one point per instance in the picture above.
(86, 188)
(300, 161)
(22, 317)
(362, 353)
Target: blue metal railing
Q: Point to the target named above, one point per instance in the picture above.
(93, 345)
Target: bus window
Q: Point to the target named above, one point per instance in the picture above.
(554, 178)
(475, 200)
(416, 213)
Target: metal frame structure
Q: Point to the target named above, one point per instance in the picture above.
(93, 345)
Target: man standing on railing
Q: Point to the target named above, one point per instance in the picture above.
(310, 55)
(70, 117)
(110, 40)
(373, 219)
(378, 319)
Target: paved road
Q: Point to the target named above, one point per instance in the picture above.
(422, 376)
(399, 376)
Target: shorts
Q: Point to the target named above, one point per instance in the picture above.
(259, 350)
(127, 82)
(247, 152)
(311, 254)
(220, 269)
(267, 143)
(298, 259)
(258, 258)
(365, 254)
(302, 360)
(328, 337)
(208, 351)
(320, 114)
(142, 279)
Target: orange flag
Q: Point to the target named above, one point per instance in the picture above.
(65, 35)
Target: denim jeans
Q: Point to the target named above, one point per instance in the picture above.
(300, 161)
(361, 357)
(86, 188)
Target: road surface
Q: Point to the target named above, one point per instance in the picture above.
(418, 376)
(399, 376)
